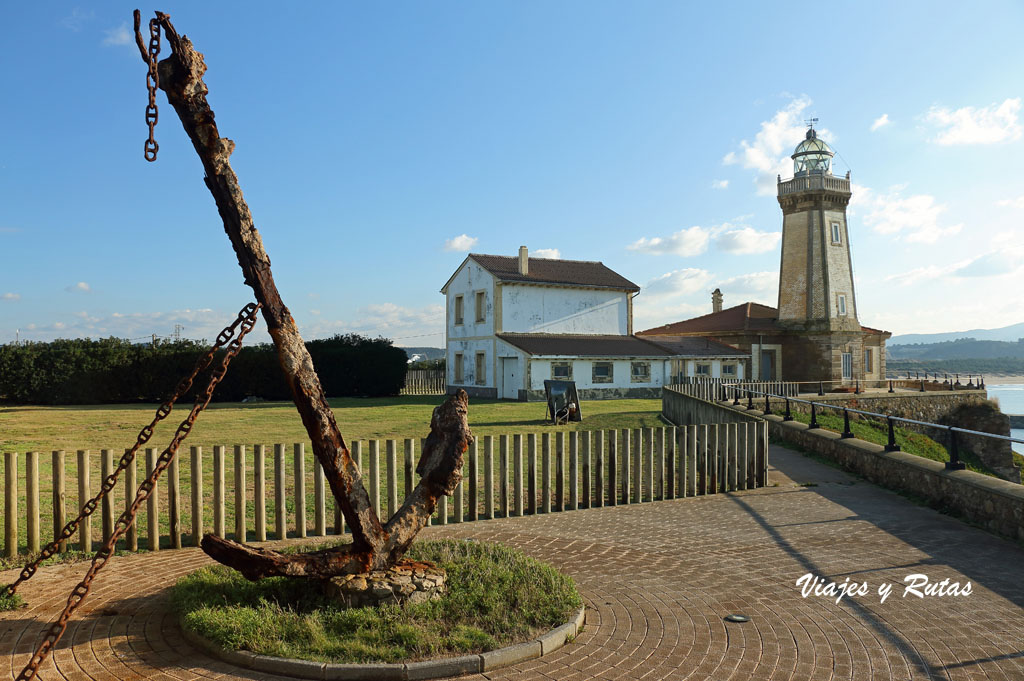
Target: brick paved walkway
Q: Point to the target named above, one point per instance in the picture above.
(657, 579)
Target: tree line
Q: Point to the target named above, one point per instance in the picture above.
(115, 370)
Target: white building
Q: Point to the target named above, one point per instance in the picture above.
(513, 322)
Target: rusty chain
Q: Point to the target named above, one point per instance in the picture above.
(145, 434)
(79, 593)
(152, 83)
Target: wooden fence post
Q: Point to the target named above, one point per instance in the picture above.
(173, 502)
(259, 482)
(648, 440)
(218, 491)
(517, 474)
(152, 505)
(374, 454)
(197, 494)
(319, 500)
(587, 481)
(11, 504)
(474, 510)
(659, 463)
(613, 468)
(459, 508)
(488, 477)
(531, 473)
(59, 497)
(702, 459)
(545, 479)
(410, 457)
(392, 454)
(599, 468)
(574, 467)
(560, 471)
(32, 500)
(84, 494)
(299, 456)
(503, 475)
(624, 456)
(280, 508)
(131, 488)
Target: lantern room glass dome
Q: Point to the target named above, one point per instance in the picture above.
(812, 156)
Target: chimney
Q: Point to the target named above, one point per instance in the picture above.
(524, 261)
(716, 300)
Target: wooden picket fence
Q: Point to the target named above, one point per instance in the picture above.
(424, 382)
(505, 476)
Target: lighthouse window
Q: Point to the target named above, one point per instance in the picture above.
(837, 233)
(842, 304)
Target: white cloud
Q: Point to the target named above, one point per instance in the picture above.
(742, 240)
(917, 274)
(386, 319)
(685, 242)
(720, 184)
(763, 284)
(768, 155)
(678, 282)
(548, 253)
(1017, 203)
(970, 125)
(880, 122)
(80, 286)
(913, 218)
(11, 296)
(462, 243)
(77, 19)
(118, 35)
(1007, 260)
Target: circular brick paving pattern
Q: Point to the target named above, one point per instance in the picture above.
(657, 578)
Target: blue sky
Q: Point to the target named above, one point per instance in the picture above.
(376, 144)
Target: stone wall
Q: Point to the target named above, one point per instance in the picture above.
(996, 505)
(968, 409)
(683, 409)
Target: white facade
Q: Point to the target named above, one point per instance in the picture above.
(549, 309)
(582, 372)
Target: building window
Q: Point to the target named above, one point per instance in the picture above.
(603, 372)
(847, 365)
(561, 371)
(458, 309)
(841, 304)
(458, 367)
(869, 365)
(481, 369)
(728, 371)
(481, 306)
(837, 233)
(703, 369)
(640, 372)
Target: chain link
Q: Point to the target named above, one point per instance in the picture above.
(78, 594)
(152, 83)
(164, 410)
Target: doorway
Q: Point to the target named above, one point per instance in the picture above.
(509, 378)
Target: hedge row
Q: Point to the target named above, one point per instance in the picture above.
(113, 370)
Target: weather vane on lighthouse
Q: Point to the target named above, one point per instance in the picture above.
(810, 122)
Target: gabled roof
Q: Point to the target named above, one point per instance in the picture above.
(569, 345)
(546, 271)
(696, 346)
(745, 317)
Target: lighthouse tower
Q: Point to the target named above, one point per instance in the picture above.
(816, 293)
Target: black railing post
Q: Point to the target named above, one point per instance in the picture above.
(954, 463)
(814, 418)
(735, 396)
(821, 388)
(789, 415)
(767, 405)
(981, 381)
(847, 433)
(856, 387)
(890, 387)
(957, 379)
(750, 399)
(891, 446)
(922, 387)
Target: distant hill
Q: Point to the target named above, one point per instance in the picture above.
(427, 353)
(1007, 333)
(964, 348)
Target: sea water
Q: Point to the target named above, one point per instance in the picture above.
(1011, 401)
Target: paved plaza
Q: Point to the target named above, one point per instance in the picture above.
(657, 578)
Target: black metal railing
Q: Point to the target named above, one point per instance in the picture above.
(952, 447)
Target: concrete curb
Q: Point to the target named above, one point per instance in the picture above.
(409, 671)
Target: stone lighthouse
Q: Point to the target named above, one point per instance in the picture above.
(816, 292)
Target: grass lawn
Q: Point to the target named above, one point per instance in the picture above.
(497, 597)
(115, 427)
